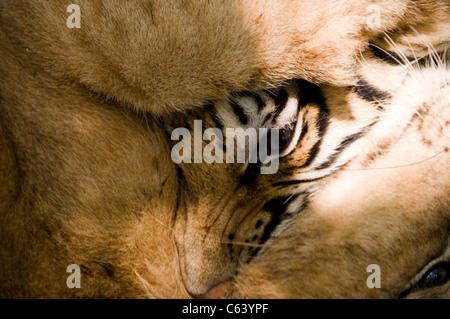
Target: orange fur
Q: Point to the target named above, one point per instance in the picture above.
(85, 169)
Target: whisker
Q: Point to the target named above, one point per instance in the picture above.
(381, 75)
(401, 54)
(398, 166)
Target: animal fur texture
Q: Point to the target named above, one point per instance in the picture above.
(86, 175)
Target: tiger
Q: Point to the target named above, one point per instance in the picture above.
(374, 194)
(87, 177)
(355, 166)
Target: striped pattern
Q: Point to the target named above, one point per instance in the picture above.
(302, 108)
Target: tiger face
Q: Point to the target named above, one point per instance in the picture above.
(362, 180)
(259, 206)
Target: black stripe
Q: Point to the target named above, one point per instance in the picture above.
(312, 94)
(257, 98)
(369, 92)
(208, 106)
(300, 181)
(387, 56)
(217, 121)
(395, 59)
(253, 169)
(251, 173)
(312, 154)
(239, 112)
(323, 120)
(304, 131)
(259, 101)
(267, 117)
(279, 98)
(277, 207)
(309, 93)
(344, 144)
(322, 126)
(281, 102)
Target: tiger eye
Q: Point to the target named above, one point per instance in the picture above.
(286, 135)
(435, 277)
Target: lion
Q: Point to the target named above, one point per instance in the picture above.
(87, 176)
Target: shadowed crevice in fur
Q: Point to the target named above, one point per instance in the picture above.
(251, 173)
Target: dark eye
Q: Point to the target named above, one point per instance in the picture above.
(286, 135)
(436, 276)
